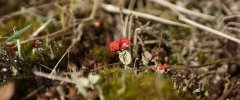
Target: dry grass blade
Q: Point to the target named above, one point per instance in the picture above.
(54, 77)
(13, 14)
(195, 24)
(41, 28)
(183, 10)
(54, 69)
(52, 35)
(78, 37)
(115, 9)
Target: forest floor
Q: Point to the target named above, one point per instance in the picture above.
(119, 50)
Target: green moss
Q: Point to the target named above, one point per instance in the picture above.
(99, 53)
(142, 86)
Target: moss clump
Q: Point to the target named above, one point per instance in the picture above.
(142, 86)
(99, 53)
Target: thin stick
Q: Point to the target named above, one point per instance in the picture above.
(121, 16)
(226, 9)
(54, 69)
(18, 45)
(115, 9)
(44, 66)
(41, 28)
(130, 27)
(233, 24)
(50, 35)
(183, 10)
(34, 92)
(13, 14)
(78, 38)
(151, 42)
(135, 46)
(125, 27)
(54, 77)
(232, 29)
(195, 24)
(94, 11)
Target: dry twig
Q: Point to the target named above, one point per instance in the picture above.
(115, 9)
(13, 14)
(198, 25)
(183, 10)
(53, 77)
(78, 36)
(41, 28)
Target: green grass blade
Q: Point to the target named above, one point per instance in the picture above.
(17, 34)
